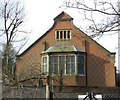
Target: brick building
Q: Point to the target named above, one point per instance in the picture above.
(66, 49)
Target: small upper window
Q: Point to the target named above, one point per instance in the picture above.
(63, 35)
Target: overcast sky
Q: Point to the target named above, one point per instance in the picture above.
(40, 15)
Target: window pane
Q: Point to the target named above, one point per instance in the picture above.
(68, 34)
(57, 35)
(68, 58)
(72, 58)
(81, 64)
(61, 58)
(53, 64)
(55, 68)
(80, 69)
(44, 59)
(64, 34)
(51, 59)
(44, 64)
(45, 68)
(61, 34)
(51, 68)
(73, 68)
(68, 68)
(70, 64)
(61, 63)
(55, 58)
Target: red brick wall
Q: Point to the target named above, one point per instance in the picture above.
(99, 69)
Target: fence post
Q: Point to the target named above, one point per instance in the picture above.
(47, 87)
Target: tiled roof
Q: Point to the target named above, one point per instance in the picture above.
(63, 49)
(63, 17)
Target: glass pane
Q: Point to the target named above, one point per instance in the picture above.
(78, 59)
(62, 59)
(51, 68)
(68, 58)
(68, 34)
(73, 68)
(70, 64)
(44, 59)
(45, 68)
(80, 69)
(61, 34)
(44, 64)
(82, 60)
(55, 68)
(68, 68)
(81, 64)
(64, 34)
(61, 63)
(53, 64)
(72, 58)
(51, 59)
(57, 35)
(55, 59)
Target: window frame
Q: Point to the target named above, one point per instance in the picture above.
(71, 64)
(63, 34)
(84, 56)
(65, 55)
(43, 64)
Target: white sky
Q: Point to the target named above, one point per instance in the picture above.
(40, 15)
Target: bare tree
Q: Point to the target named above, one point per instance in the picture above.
(12, 17)
(8, 68)
(109, 10)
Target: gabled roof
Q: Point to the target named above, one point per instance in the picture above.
(63, 17)
(36, 41)
(57, 49)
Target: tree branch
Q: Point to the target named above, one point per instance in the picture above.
(109, 23)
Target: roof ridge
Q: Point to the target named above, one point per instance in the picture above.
(58, 17)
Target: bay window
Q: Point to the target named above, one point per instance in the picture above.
(65, 63)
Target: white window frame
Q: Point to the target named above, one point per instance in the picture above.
(64, 36)
(76, 64)
(70, 66)
(43, 64)
(66, 64)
